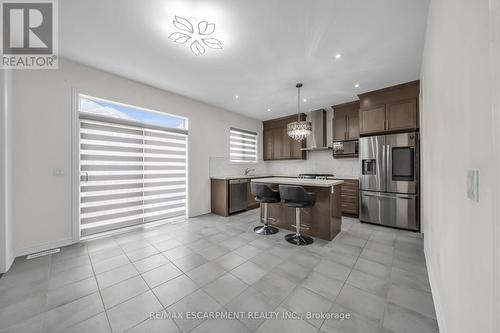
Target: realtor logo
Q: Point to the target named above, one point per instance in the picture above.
(29, 34)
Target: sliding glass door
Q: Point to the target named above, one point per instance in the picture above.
(130, 173)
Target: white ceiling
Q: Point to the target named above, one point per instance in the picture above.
(268, 46)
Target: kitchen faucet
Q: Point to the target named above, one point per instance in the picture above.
(248, 170)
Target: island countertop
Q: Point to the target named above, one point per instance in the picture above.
(299, 181)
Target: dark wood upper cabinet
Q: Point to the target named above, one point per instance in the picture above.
(268, 145)
(286, 146)
(346, 121)
(353, 125)
(401, 115)
(339, 125)
(372, 120)
(277, 144)
(296, 153)
(392, 109)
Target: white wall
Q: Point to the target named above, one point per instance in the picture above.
(6, 234)
(41, 131)
(495, 72)
(458, 133)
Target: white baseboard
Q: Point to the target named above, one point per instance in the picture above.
(203, 212)
(435, 296)
(43, 247)
(8, 263)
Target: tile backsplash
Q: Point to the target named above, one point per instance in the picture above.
(317, 162)
(320, 161)
(220, 166)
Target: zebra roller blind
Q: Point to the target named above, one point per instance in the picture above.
(129, 174)
(242, 145)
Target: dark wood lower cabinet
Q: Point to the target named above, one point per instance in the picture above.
(349, 200)
(323, 219)
(219, 197)
(349, 197)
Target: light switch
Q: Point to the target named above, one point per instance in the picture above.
(58, 172)
(473, 185)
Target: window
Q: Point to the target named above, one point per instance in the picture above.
(101, 107)
(242, 146)
(133, 166)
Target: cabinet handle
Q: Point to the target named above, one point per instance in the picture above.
(346, 127)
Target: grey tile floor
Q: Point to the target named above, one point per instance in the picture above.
(376, 276)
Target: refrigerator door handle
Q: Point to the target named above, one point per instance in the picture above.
(387, 196)
(388, 164)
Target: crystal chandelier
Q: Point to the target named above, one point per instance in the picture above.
(299, 130)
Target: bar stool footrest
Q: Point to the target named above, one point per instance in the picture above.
(270, 220)
(302, 226)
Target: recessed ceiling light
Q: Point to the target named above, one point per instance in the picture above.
(356, 85)
(236, 96)
(338, 56)
(268, 109)
(305, 100)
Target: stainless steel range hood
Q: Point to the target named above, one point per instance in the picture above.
(317, 139)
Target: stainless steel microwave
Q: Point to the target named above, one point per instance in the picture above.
(345, 148)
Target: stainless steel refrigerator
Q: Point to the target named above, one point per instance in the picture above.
(389, 181)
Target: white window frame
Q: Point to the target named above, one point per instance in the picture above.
(75, 165)
(243, 162)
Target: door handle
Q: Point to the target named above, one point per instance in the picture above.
(386, 196)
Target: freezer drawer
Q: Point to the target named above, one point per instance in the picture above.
(394, 210)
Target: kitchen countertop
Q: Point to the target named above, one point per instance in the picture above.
(299, 181)
(281, 176)
(239, 177)
(346, 177)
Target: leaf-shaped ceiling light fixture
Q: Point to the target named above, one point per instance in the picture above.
(179, 37)
(205, 28)
(197, 48)
(199, 39)
(182, 24)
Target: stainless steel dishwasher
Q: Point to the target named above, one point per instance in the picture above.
(237, 195)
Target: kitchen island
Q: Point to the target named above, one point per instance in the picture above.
(323, 219)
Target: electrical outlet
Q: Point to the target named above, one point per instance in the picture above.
(473, 185)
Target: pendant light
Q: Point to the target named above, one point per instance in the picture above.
(299, 130)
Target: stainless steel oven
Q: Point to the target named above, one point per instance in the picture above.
(345, 148)
(389, 180)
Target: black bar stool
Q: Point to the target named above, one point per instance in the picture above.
(265, 195)
(297, 197)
